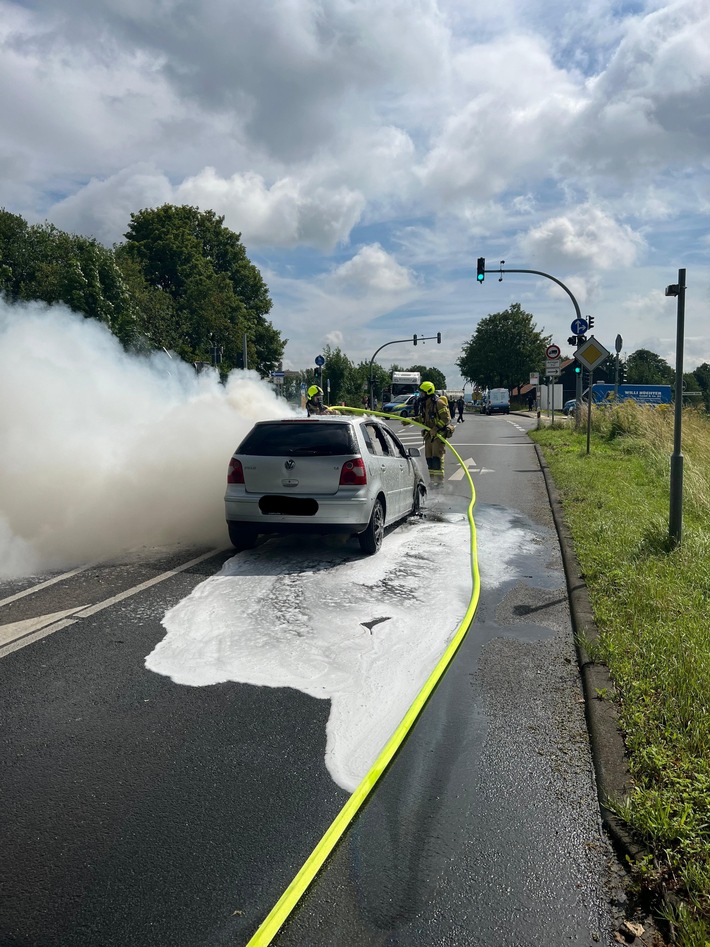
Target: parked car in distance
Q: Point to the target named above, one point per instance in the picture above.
(569, 406)
(324, 474)
(403, 405)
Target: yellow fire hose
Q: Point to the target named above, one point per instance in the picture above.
(291, 896)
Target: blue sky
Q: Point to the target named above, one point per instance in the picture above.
(370, 150)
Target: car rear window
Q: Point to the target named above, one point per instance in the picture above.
(305, 438)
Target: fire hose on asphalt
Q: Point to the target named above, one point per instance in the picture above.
(278, 915)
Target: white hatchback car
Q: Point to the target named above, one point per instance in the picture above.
(327, 474)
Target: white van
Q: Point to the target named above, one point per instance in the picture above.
(497, 401)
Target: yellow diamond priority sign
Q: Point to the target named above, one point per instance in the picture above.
(591, 353)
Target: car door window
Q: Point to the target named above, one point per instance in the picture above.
(378, 444)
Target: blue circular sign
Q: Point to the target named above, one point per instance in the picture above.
(579, 327)
(320, 360)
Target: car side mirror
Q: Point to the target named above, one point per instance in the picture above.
(413, 452)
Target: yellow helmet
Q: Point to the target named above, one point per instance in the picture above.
(314, 390)
(427, 387)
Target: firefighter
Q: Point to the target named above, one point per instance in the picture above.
(433, 411)
(314, 404)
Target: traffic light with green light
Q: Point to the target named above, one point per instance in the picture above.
(481, 269)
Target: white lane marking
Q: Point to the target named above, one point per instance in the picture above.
(15, 630)
(36, 636)
(43, 585)
(460, 473)
(16, 635)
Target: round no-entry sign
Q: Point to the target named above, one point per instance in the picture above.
(552, 351)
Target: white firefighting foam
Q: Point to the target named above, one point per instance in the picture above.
(308, 615)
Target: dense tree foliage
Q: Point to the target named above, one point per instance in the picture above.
(504, 349)
(644, 367)
(702, 377)
(40, 262)
(434, 375)
(181, 281)
(218, 296)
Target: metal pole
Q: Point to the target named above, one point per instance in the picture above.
(244, 351)
(578, 397)
(675, 524)
(589, 410)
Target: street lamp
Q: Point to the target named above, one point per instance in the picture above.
(675, 522)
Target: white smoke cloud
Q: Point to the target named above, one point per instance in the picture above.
(105, 451)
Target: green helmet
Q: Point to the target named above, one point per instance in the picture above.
(427, 387)
(314, 390)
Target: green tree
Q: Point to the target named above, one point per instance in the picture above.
(702, 377)
(644, 367)
(430, 374)
(41, 262)
(504, 349)
(218, 295)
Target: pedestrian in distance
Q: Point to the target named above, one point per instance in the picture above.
(433, 412)
(531, 401)
(460, 404)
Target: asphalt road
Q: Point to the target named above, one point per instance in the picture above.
(139, 812)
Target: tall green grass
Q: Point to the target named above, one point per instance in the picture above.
(651, 602)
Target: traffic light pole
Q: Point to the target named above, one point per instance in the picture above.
(578, 313)
(414, 339)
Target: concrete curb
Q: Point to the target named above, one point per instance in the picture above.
(608, 750)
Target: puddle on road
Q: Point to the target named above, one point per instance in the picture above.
(362, 632)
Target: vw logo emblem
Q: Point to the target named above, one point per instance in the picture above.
(290, 464)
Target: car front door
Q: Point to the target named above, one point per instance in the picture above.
(387, 467)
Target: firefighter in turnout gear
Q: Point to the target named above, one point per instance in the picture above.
(433, 411)
(314, 404)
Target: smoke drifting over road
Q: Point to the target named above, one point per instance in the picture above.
(102, 451)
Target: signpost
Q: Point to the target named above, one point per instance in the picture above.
(591, 354)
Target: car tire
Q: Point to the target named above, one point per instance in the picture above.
(242, 536)
(371, 538)
(419, 496)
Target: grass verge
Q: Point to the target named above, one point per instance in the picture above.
(651, 603)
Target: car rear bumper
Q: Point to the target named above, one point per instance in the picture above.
(321, 514)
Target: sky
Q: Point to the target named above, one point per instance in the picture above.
(369, 151)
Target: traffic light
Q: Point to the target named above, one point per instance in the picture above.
(578, 369)
(590, 322)
(414, 339)
(438, 338)
(481, 269)
(622, 372)
(572, 340)
(581, 339)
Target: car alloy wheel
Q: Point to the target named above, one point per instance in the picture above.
(371, 538)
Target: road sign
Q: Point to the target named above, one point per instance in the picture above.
(552, 366)
(277, 374)
(553, 351)
(534, 378)
(320, 360)
(618, 345)
(591, 354)
(579, 327)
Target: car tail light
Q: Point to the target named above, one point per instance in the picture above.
(235, 473)
(353, 473)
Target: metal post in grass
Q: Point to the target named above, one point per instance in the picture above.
(589, 411)
(675, 522)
